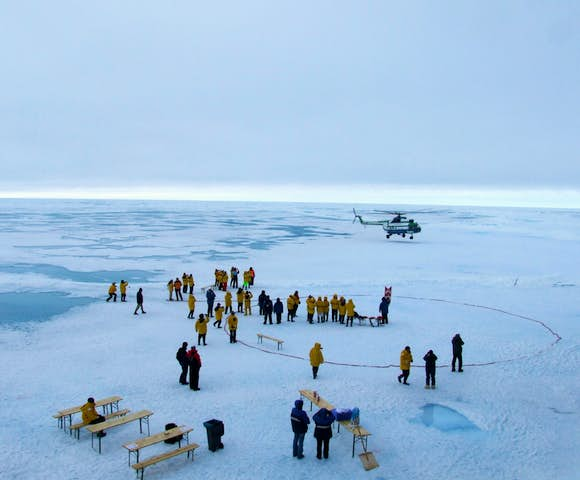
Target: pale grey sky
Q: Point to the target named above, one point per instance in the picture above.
(181, 93)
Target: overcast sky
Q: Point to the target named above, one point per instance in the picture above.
(137, 94)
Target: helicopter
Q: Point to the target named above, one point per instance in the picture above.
(398, 225)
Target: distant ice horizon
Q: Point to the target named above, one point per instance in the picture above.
(371, 193)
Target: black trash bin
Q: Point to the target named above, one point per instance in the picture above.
(215, 430)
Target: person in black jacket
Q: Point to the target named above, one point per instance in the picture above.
(457, 343)
(430, 359)
(384, 309)
(278, 310)
(323, 431)
(299, 419)
(210, 297)
(261, 300)
(139, 302)
(267, 309)
(181, 357)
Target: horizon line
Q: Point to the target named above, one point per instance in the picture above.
(452, 195)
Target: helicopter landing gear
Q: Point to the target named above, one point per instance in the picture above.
(411, 237)
(403, 235)
(388, 236)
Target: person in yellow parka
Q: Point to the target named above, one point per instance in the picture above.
(248, 303)
(316, 358)
(334, 307)
(191, 304)
(190, 282)
(325, 309)
(113, 292)
(319, 310)
(219, 314)
(341, 309)
(240, 299)
(228, 301)
(170, 289)
(406, 359)
(290, 302)
(90, 415)
(123, 288)
(310, 307)
(233, 327)
(349, 312)
(201, 328)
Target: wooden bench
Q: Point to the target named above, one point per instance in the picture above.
(76, 427)
(177, 433)
(141, 466)
(141, 415)
(359, 434)
(261, 336)
(109, 405)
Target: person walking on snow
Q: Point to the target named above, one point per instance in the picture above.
(113, 292)
(405, 364)
(139, 302)
(219, 314)
(316, 358)
(183, 360)
(457, 343)
(191, 305)
(430, 368)
(299, 420)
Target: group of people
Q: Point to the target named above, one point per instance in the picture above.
(123, 285)
(177, 286)
(190, 361)
(323, 420)
(221, 278)
(430, 359)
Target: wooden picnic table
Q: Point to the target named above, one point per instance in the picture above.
(135, 446)
(108, 405)
(359, 434)
(141, 415)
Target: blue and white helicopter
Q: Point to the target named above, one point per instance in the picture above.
(398, 225)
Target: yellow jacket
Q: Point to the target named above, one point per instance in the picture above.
(290, 302)
(334, 302)
(123, 287)
(319, 305)
(89, 412)
(240, 296)
(349, 308)
(325, 305)
(219, 312)
(112, 288)
(310, 304)
(248, 298)
(191, 302)
(341, 309)
(316, 358)
(228, 299)
(406, 359)
(232, 322)
(201, 326)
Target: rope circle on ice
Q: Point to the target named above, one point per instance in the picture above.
(556, 336)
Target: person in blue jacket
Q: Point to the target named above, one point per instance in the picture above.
(278, 310)
(299, 419)
(323, 431)
(384, 309)
(210, 297)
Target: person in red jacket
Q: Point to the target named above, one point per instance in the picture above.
(194, 366)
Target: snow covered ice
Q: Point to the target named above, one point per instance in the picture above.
(506, 279)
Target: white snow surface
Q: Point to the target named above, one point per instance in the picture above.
(490, 274)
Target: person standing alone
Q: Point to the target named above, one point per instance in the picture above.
(405, 363)
(457, 343)
(139, 302)
(316, 358)
(430, 368)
